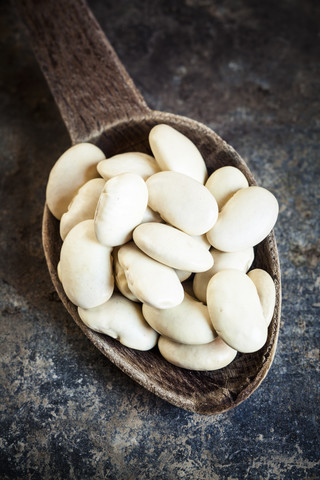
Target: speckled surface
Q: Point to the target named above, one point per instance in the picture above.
(250, 71)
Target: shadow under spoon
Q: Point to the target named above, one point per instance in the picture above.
(100, 104)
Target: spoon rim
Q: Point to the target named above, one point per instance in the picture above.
(106, 345)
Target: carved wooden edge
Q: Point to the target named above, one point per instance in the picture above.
(88, 81)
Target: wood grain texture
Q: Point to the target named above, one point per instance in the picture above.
(123, 127)
(89, 84)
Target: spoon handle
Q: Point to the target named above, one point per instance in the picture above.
(89, 83)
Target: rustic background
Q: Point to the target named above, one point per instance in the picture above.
(249, 70)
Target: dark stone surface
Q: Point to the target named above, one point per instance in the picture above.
(249, 70)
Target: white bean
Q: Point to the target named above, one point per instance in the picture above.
(85, 268)
(183, 275)
(75, 167)
(120, 209)
(210, 356)
(82, 206)
(174, 151)
(121, 319)
(224, 182)
(182, 202)
(245, 220)
(172, 247)
(266, 290)
(202, 239)
(235, 310)
(150, 281)
(131, 162)
(187, 323)
(240, 260)
(120, 277)
(151, 216)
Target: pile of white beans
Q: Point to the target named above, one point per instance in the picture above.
(156, 253)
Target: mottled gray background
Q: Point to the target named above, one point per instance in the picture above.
(250, 70)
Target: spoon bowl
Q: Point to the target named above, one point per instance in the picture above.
(113, 115)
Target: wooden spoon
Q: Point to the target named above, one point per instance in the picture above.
(100, 104)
